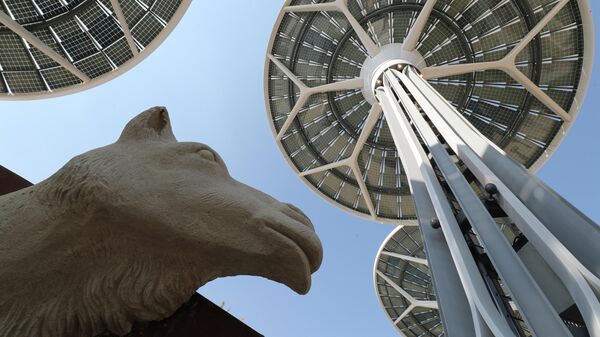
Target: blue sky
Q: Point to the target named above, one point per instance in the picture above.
(209, 73)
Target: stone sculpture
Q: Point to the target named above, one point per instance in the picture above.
(128, 232)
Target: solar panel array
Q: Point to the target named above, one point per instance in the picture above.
(321, 47)
(397, 278)
(85, 33)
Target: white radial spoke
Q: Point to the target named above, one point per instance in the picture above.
(508, 68)
(288, 72)
(518, 76)
(537, 29)
(324, 168)
(363, 189)
(404, 314)
(123, 22)
(458, 69)
(396, 287)
(352, 161)
(352, 84)
(325, 7)
(306, 92)
(407, 258)
(410, 43)
(342, 7)
(292, 116)
(427, 304)
(367, 129)
(39, 44)
(362, 34)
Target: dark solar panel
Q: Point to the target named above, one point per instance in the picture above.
(321, 47)
(400, 282)
(84, 35)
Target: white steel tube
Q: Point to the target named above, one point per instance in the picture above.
(580, 237)
(116, 5)
(533, 304)
(411, 152)
(39, 44)
(561, 261)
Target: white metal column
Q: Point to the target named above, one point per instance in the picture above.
(420, 173)
(407, 99)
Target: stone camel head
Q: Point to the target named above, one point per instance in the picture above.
(128, 232)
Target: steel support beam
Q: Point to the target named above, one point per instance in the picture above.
(454, 306)
(533, 304)
(422, 177)
(416, 113)
(572, 228)
(455, 309)
(571, 272)
(116, 5)
(39, 44)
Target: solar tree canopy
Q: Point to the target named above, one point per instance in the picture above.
(404, 285)
(329, 125)
(55, 47)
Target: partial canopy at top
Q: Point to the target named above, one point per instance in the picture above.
(54, 47)
(516, 69)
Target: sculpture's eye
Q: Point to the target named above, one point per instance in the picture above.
(208, 155)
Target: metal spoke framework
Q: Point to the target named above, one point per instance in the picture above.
(465, 98)
(54, 47)
(528, 130)
(508, 65)
(535, 307)
(403, 283)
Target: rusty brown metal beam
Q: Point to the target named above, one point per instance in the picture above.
(11, 182)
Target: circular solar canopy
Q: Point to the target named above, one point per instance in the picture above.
(404, 287)
(54, 47)
(333, 133)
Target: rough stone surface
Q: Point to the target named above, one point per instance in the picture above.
(197, 318)
(126, 233)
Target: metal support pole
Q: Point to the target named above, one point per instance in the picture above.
(569, 270)
(406, 95)
(573, 229)
(39, 44)
(454, 306)
(421, 173)
(533, 304)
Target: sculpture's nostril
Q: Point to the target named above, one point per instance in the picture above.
(297, 214)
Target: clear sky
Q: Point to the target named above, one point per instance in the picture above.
(209, 73)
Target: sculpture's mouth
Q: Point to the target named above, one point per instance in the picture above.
(302, 241)
(298, 279)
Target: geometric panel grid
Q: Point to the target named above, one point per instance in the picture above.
(54, 47)
(404, 286)
(515, 69)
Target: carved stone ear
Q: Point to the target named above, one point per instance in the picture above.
(151, 125)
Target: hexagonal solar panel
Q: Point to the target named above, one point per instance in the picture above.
(404, 287)
(54, 47)
(318, 109)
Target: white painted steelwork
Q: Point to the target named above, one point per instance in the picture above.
(85, 72)
(579, 280)
(398, 283)
(368, 40)
(408, 96)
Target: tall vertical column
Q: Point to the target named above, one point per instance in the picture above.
(415, 112)
(485, 316)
